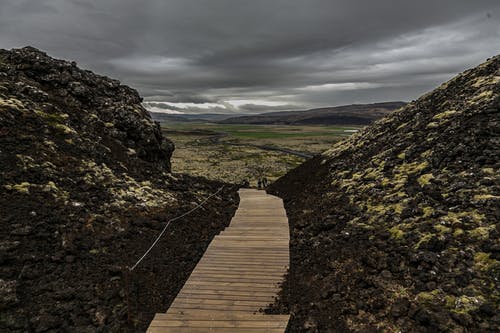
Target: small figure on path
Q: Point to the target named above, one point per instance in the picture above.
(264, 182)
(259, 184)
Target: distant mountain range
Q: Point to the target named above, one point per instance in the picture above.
(204, 117)
(355, 114)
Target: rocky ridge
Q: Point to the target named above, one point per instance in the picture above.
(85, 186)
(397, 228)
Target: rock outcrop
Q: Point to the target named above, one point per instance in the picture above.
(85, 187)
(397, 228)
(99, 115)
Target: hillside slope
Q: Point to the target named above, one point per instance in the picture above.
(397, 228)
(356, 114)
(85, 187)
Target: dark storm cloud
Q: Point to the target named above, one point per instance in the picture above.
(264, 54)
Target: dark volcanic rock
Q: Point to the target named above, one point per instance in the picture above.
(77, 102)
(402, 218)
(85, 186)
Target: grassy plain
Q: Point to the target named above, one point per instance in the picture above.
(229, 152)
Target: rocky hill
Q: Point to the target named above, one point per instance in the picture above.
(356, 114)
(397, 228)
(85, 187)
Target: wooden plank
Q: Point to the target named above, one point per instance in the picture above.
(231, 285)
(214, 261)
(239, 274)
(207, 314)
(266, 299)
(235, 275)
(278, 266)
(220, 307)
(243, 293)
(231, 302)
(240, 269)
(219, 323)
(218, 330)
(245, 254)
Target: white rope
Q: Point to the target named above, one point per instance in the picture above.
(168, 223)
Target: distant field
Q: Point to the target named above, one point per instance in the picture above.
(228, 152)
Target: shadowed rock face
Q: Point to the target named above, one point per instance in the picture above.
(397, 228)
(85, 187)
(101, 116)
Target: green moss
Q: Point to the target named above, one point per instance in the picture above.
(456, 217)
(486, 80)
(109, 125)
(457, 232)
(371, 174)
(483, 197)
(489, 171)
(52, 118)
(442, 229)
(480, 232)
(12, 103)
(51, 186)
(426, 154)
(466, 304)
(450, 301)
(357, 176)
(26, 162)
(422, 239)
(401, 126)
(23, 187)
(483, 262)
(428, 211)
(411, 168)
(385, 181)
(402, 156)
(396, 233)
(432, 125)
(487, 94)
(425, 179)
(445, 114)
(65, 129)
(428, 297)
(382, 209)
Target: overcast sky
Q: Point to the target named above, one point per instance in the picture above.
(261, 55)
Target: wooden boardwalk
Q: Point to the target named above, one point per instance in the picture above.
(238, 275)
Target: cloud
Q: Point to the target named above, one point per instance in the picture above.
(292, 53)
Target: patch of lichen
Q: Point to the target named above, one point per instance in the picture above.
(411, 168)
(457, 304)
(51, 187)
(125, 191)
(483, 262)
(396, 232)
(65, 129)
(430, 297)
(425, 179)
(52, 118)
(467, 304)
(12, 103)
(481, 233)
(445, 115)
(23, 187)
(472, 216)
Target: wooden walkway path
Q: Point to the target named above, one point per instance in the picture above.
(238, 275)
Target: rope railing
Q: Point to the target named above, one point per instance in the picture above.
(166, 226)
